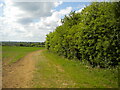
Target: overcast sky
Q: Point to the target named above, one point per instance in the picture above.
(31, 21)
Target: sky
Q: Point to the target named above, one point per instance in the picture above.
(31, 21)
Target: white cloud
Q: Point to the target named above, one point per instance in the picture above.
(27, 12)
(80, 9)
(58, 3)
(14, 24)
(53, 20)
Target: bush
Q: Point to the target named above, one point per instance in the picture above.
(92, 35)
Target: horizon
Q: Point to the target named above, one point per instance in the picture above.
(21, 41)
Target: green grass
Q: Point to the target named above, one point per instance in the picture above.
(54, 71)
(11, 54)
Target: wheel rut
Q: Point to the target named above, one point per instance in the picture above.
(20, 74)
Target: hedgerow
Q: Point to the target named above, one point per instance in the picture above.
(92, 35)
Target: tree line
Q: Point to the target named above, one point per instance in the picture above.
(24, 44)
(92, 35)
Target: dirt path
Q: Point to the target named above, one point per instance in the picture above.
(20, 74)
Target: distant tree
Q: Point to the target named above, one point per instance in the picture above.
(21, 44)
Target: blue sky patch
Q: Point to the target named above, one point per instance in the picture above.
(75, 5)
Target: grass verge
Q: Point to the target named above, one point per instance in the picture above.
(53, 71)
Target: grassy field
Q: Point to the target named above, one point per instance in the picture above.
(53, 71)
(11, 54)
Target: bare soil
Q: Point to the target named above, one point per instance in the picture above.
(20, 74)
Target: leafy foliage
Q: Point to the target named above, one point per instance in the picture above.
(92, 35)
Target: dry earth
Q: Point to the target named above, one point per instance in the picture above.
(20, 74)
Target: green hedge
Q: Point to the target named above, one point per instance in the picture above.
(92, 35)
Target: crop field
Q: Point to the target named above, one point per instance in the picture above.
(11, 54)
